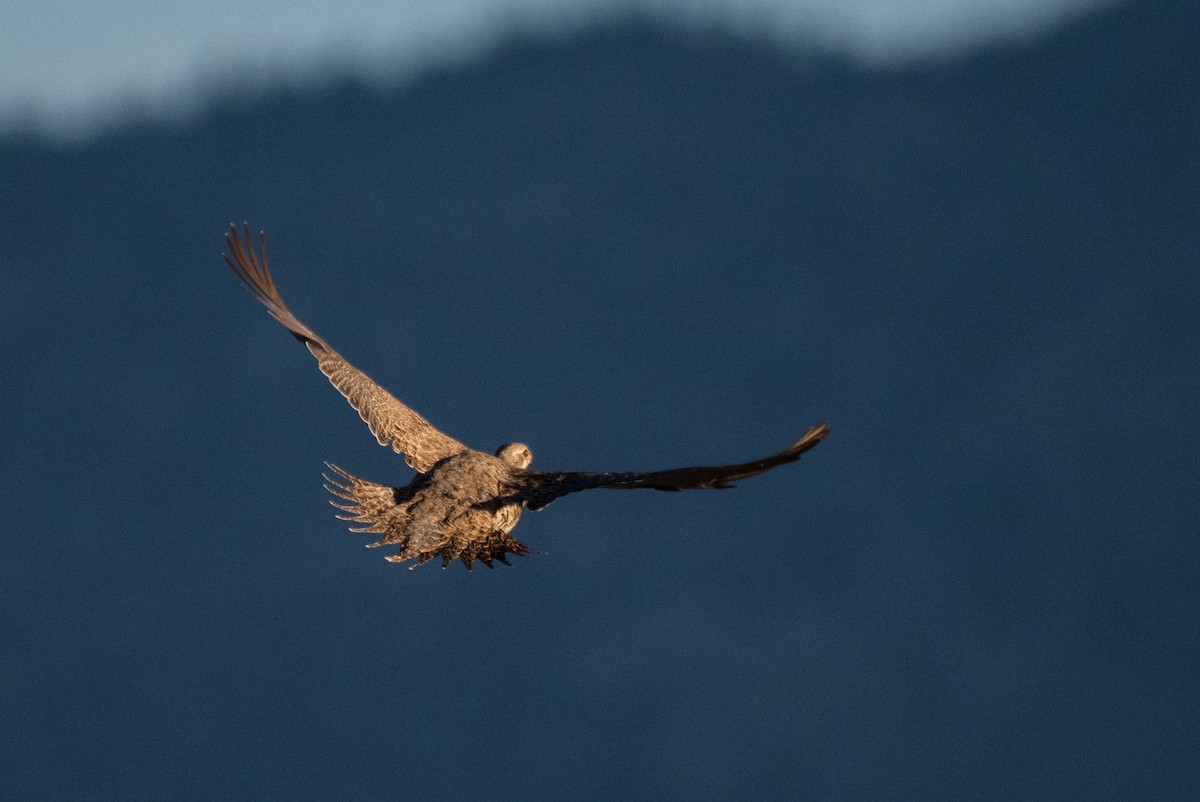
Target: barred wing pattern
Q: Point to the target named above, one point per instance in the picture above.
(536, 489)
(391, 421)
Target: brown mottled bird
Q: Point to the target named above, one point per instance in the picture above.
(463, 503)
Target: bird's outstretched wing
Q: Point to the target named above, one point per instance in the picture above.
(392, 422)
(538, 488)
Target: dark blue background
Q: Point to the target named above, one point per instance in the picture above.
(632, 250)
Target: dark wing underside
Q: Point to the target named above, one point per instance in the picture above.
(391, 421)
(538, 488)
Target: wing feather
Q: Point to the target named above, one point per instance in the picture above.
(390, 420)
(538, 488)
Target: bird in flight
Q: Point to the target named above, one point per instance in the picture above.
(463, 503)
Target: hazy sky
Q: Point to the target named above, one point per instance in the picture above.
(69, 65)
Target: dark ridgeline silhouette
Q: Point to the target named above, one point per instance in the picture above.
(463, 503)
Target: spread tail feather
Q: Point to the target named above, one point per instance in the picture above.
(390, 512)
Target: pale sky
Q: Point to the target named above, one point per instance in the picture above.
(71, 66)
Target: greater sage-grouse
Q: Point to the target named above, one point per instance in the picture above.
(463, 503)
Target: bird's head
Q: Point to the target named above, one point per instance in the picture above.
(517, 455)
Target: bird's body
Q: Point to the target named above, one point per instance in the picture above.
(456, 509)
(463, 503)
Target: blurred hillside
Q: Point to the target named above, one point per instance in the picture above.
(631, 250)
